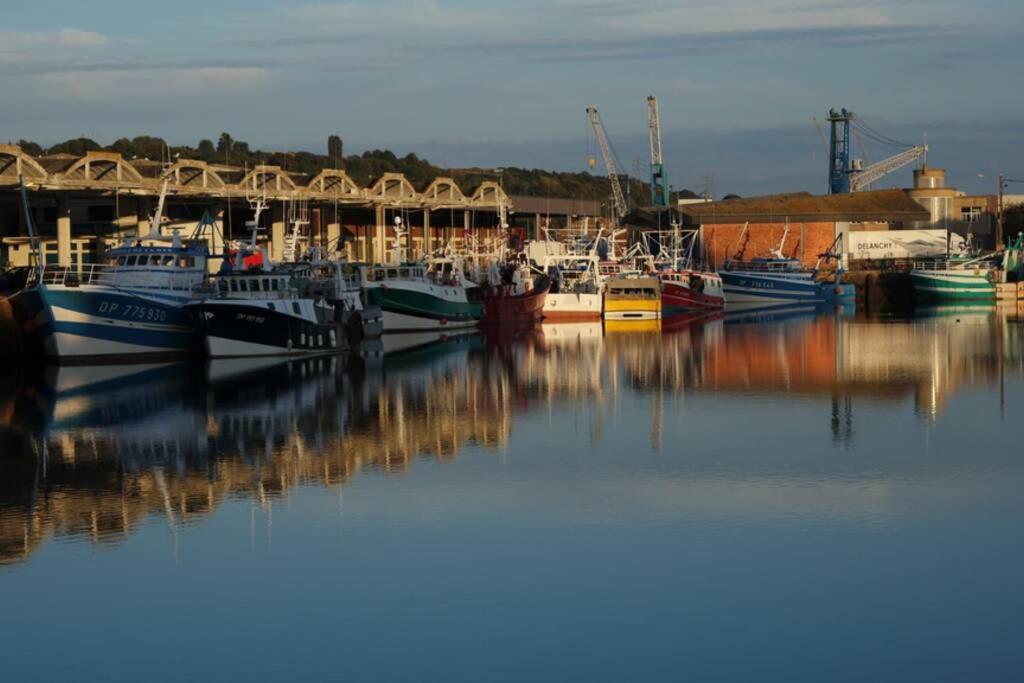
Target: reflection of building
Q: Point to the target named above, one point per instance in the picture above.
(102, 450)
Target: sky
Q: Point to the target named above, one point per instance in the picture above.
(464, 82)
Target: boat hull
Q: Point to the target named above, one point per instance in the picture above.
(952, 285)
(677, 296)
(96, 324)
(572, 307)
(632, 309)
(502, 308)
(751, 287)
(236, 329)
(415, 309)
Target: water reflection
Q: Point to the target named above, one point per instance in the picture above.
(92, 453)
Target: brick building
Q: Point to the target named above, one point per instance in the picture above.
(814, 221)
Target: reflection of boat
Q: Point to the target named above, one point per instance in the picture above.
(642, 326)
(566, 333)
(632, 298)
(965, 308)
(750, 312)
(682, 321)
(407, 341)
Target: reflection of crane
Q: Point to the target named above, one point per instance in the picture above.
(850, 175)
(610, 163)
(659, 180)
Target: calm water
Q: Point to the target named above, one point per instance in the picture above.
(761, 498)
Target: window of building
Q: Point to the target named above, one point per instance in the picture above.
(970, 214)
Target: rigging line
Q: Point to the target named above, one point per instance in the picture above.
(859, 123)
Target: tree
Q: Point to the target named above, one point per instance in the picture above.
(335, 149)
(206, 151)
(731, 196)
(224, 145)
(30, 148)
(75, 147)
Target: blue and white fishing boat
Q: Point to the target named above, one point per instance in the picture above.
(779, 279)
(130, 306)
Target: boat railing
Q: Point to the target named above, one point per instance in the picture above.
(110, 276)
(984, 263)
(767, 267)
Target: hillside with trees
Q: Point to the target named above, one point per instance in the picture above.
(363, 168)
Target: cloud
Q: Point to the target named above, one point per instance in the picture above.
(115, 83)
(14, 42)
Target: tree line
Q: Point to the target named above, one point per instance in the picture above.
(363, 168)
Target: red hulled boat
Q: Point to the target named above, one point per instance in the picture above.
(691, 290)
(503, 305)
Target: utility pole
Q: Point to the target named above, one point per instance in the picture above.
(999, 214)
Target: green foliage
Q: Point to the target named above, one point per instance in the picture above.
(335, 148)
(76, 147)
(30, 148)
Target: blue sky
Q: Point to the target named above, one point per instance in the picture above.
(490, 83)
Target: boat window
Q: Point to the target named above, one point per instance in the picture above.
(154, 260)
(168, 260)
(275, 285)
(131, 260)
(295, 307)
(266, 285)
(271, 306)
(392, 273)
(120, 260)
(222, 286)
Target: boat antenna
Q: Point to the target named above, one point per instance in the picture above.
(158, 217)
(31, 227)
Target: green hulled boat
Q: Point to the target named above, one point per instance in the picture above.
(970, 279)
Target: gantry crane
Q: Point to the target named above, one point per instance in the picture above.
(849, 175)
(611, 165)
(659, 179)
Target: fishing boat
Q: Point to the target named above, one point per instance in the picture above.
(959, 279)
(254, 307)
(781, 279)
(412, 298)
(257, 313)
(513, 299)
(632, 296)
(575, 291)
(686, 284)
(129, 307)
(416, 296)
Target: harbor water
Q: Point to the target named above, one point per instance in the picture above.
(784, 496)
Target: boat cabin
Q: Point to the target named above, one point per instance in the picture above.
(633, 288)
(256, 286)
